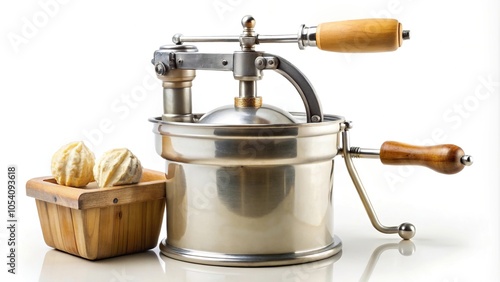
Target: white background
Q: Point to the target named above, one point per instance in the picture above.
(70, 66)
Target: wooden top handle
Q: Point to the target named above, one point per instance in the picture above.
(447, 158)
(360, 36)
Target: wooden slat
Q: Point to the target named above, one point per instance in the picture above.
(106, 229)
(148, 219)
(79, 230)
(123, 231)
(66, 229)
(151, 186)
(91, 223)
(43, 215)
(122, 195)
(135, 227)
(55, 228)
(158, 211)
(116, 222)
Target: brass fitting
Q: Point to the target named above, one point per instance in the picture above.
(248, 102)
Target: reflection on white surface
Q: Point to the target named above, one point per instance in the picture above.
(151, 266)
(405, 248)
(318, 271)
(362, 259)
(60, 266)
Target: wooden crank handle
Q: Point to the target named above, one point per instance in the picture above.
(361, 36)
(447, 158)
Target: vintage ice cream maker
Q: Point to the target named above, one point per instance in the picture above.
(249, 184)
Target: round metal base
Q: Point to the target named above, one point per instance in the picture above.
(250, 260)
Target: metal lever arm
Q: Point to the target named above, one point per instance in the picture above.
(303, 86)
(353, 36)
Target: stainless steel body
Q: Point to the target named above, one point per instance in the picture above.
(249, 195)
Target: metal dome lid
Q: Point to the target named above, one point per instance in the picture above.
(231, 115)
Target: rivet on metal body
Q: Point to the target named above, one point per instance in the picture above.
(315, 118)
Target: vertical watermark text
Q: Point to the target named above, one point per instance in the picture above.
(12, 219)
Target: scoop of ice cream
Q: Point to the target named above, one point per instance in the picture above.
(117, 167)
(72, 165)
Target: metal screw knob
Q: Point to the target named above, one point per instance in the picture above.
(467, 160)
(406, 34)
(348, 125)
(248, 22)
(315, 118)
(160, 68)
(260, 63)
(177, 39)
(407, 231)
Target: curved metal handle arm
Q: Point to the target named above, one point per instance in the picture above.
(405, 230)
(303, 86)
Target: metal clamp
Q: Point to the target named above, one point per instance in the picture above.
(246, 66)
(405, 230)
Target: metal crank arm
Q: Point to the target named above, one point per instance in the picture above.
(446, 158)
(405, 230)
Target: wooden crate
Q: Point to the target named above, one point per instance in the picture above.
(96, 223)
